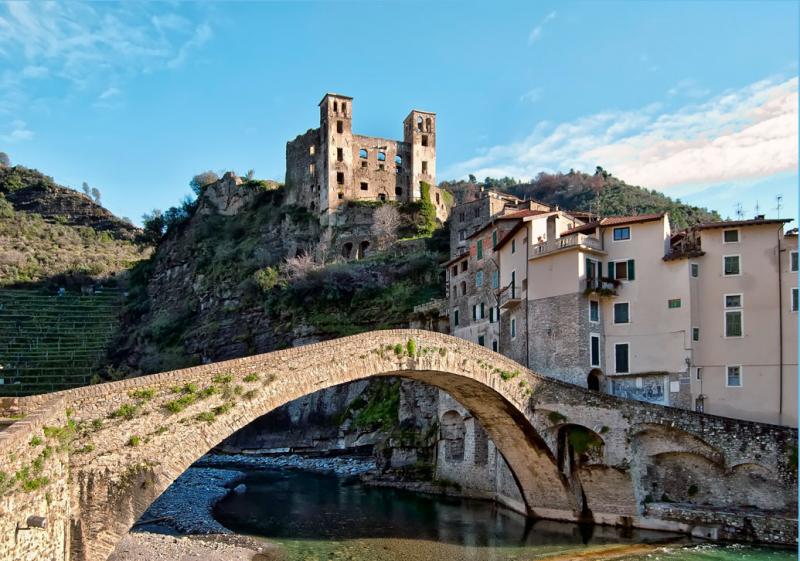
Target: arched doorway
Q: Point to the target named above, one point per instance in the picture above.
(362, 249)
(347, 250)
(594, 380)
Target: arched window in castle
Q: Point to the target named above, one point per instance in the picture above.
(339, 127)
(463, 288)
(452, 432)
(398, 163)
(362, 153)
(428, 124)
(313, 206)
(419, 123)
(382, 197)
(311, 150)
(363, 247)
(312, 170)
(344, 108)
(381, 156)
(335, 106)
(347, 250)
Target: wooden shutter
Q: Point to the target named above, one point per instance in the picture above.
(631, 272)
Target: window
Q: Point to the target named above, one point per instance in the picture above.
(364, 186)
(482, 340)
(793, 265)
(419, 123)
(463, 266)
(695, 333)
(340, 195)
(463, 288)
(795, 303)
(398, 191)
(476, 212)
(340, 177)
(454, 270)
(483, 310)
(424, 167)
(695, 270)
(479, 249)
(462, 235)
(494, 238)
(594, 346)
(424, 139)
(495, 279)
(311, 150)
(474, 312)
(382, 197)
(698, 373)
(398, 160)
(312, 170)
(479, 279)
(513, 328)
(344, 107)
(461, 217)
(622, 234)
(733, 323)
(594, 311)
(621, 362)
(733, 378)
(339, 154)
(335, 106)
(730, 236)
(731, 265)
(455, 318)
(491, 314)
(362, 153)
(381, 156)
(673, 303)
(513, 246)
(622, 270)
(494, 345)
(339, 127)
(622, 312)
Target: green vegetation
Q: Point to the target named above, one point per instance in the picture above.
(583, 440)
(555, 417)
(206, 417)
(36, 441)
(223, 379)
(377, 407)
(252, 377)
(134, 440)
(411, 348)
(144, 394)
(125, 411)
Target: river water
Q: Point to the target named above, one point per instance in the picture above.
(327, 518)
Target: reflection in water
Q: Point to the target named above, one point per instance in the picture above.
(297, 507)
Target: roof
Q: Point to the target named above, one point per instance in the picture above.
(334, 95)
(791, 233)
(739, 223)
(455, 259)
(521, 214)
(511, 233)
(614, 221)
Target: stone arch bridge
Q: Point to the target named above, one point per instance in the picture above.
(86, 463)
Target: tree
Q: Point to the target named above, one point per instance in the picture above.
(96, 194)
(5, 161)
(201, 180)
(472, 178)
(385, 223)
(86, 190)
(153, 227)
(251, 174)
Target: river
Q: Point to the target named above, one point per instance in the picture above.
(318, 517)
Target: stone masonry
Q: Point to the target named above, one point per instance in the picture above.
(124, 442)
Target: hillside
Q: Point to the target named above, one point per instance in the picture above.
(600, 193)
(54, 235)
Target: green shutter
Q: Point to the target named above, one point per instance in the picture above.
(631, 272)
(611, 269)
(480, 249)
(587, 267)
(494, 238)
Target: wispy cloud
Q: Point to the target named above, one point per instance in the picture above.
(536, 32)
(85, 45)
(746, 133)
(532, 96)
(688, 88)
(17, 131)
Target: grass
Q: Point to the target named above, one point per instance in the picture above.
(252, 377)
(134, 440)
(125, 411)
(144, 394)
(36, 441)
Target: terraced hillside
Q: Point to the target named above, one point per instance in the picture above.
(51, 342)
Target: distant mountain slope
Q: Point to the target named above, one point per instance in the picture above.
(601, 193)
(30, 191)
(55, 234)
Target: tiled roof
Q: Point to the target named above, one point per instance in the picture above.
(521, 214)
(614, 221)
(738, 223)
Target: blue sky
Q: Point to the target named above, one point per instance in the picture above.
(697, 100)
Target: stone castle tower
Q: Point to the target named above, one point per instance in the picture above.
(329, 165)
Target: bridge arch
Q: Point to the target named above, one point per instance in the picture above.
(174, 418)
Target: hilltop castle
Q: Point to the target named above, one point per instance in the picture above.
(329, 165)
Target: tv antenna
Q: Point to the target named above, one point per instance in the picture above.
(778, 203)
(739, 211)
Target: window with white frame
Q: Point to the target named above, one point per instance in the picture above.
(795, 303)
(733, 315)
(695, 270)
(594, 311)
(622, 358)
(730, 236)
(594, 349)
(622, 234)
(793, 264)
(733, 376)
(622, 312)
(731, 265)
(513, 328)
(673, 303)
(621, 270)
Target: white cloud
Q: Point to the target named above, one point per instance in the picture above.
(532, 96)
(17, 131)
(746, 133)
(536, 32)
(109, 93)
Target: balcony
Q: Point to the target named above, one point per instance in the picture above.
(565, 242)
(510, 296)
(602, 286)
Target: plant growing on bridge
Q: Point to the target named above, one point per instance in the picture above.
(145, 394)
(555, 417)
(125, 411)
(36, 441)
(134, 440)
(252, 377)
(223, 379)
(411, 347)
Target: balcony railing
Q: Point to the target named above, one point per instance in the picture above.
(603, 286)
(510, 295)
(567, 241)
